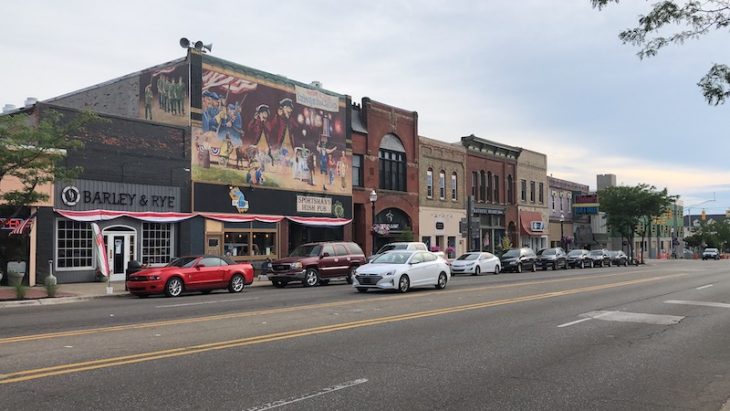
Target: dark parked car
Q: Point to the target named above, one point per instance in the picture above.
(599, 258)
(579, 259)
(552, 258)
(518, 259)
(194, 273)
(317, 263)
(619, 258)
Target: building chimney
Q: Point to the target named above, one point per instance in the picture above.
(317, 84)
(30, 101)
(8, 108)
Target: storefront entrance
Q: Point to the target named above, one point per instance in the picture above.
(120, 250)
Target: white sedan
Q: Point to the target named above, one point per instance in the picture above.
(401, 270)
(475, 263)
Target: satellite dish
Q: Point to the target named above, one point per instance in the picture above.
(184, 43)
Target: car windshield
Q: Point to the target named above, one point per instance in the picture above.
(307, 250)
(512, 253)
(575, 253)
(597, 252)
(613, 253)
(711, 250)
(396, 257)
(546, 251)
(182, 262)
(468, 256)
(389, 247)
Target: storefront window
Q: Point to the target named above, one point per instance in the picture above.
(156, 243)
(250, 243)
(236, 244)
(264, 244)
(74, 245)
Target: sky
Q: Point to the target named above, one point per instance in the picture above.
(546, 75)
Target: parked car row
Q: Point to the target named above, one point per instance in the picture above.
(397, 266)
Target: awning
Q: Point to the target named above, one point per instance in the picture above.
(531, 223)
(320, 221)
(242, 218)
(104, 215)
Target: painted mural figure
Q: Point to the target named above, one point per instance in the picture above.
(148, 98)
(226, 151)
(284, 126)
(210, 111)
(259, 130)
(229, 123)
(161, 91)
(180, 96)
(342, 170)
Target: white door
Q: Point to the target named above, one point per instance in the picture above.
(120, 251)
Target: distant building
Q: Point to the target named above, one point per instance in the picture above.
(563, 220)
(605, 180)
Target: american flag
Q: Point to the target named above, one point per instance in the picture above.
(212, 79)
(26, 224)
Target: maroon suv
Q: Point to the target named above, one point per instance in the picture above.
(317, 263)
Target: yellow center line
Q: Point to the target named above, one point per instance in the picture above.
(166, 323)
(33, 374)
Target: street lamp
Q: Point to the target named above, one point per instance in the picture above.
(373, 199)
(562, 241)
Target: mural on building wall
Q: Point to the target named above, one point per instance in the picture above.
(164, 94)
(261, 133)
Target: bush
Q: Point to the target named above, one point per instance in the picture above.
(20, 290)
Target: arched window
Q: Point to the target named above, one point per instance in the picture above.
(496, 188)
(482, 185)
(453, 186)
(392, 156)
(442, 185)
(429, 183)
(489, 186)
(510, 190)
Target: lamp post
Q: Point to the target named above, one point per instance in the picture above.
(562, 241)
(373, 199)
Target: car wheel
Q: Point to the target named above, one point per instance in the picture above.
(174, 287)
(609, 263)
(311, 277)
(534, 267)
(555, 266)
(544, 267)
(404, 283)
(362, 289)
(476, 270)
(441, 284)
(236, 285)
(519, 268)
(350, 275)
(582, 264)
(279, 283)
(496, 269)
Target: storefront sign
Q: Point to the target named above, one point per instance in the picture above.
(486, 211)
(537, 226)
(90, 195)
(318, 205)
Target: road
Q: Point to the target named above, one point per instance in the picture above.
(652, 337)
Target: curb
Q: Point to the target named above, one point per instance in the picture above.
(55, 300)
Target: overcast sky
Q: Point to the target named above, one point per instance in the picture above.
(546, 75)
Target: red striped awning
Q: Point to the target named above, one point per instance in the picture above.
(320, 221)
(104, 215)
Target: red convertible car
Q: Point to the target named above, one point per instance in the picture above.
(194, 273)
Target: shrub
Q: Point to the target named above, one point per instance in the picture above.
(20, 290)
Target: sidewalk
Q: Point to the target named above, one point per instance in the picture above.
(69, 293)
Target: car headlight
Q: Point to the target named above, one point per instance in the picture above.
(390, 272)
(153, 277)
(296, 266)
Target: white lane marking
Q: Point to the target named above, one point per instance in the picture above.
(206, 302)
(580, 321)
(702, 303)
(574, 322)
(704, 286)
(624, 316)
(323, 391)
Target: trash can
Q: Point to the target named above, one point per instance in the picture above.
(132, 268)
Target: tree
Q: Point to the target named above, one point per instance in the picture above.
(691, 20)
(630, 210)
(33, 153)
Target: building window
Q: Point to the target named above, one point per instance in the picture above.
(496, 188)
(357, 170)
(427, 241)
(453, 187)
(429, 183)
(156, 243)
(392, 156)
(482, 185)
(561, 201)
(523, 190)
(489, 186)
(249, 243)
(540, 195)
(442, 184)
(553, 200)
(474, 184)
(532, 191)
(74, 245)
(510, 190)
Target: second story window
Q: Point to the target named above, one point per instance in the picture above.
(532, 191)
(453, 187)
(523, 190)
(510, 190)
(429, 183)
(540, 195)
(392, 158)
(442, 185)
(357, 175)
(474, 184)
(496, 188)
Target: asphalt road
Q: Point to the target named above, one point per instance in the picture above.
(637, 338)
